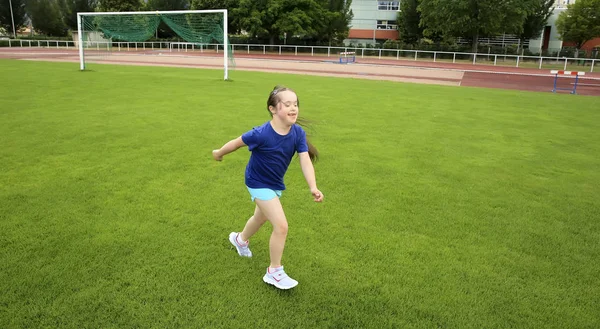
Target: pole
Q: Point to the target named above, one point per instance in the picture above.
(575, 86)
(80, 38)
(13, 19)
(225, 44)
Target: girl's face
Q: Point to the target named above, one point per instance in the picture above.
(286, 110)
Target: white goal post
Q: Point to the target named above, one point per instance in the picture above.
(82, 27)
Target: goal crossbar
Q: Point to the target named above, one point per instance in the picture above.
(80, 28)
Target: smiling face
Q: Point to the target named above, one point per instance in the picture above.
(283, 106)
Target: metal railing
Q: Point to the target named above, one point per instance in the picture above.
(539, 62)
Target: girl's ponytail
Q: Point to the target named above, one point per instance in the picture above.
(313, 153)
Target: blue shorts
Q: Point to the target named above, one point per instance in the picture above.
(264, 194)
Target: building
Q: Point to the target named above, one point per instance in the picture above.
(373, 20)
(376, 21)
(550, 39)
(562, 4)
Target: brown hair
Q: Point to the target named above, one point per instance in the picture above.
(273, 99)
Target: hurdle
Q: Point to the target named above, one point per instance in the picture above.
(347, 57)
(566, 73)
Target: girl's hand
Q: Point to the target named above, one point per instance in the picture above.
(216, 156)
(317, 195)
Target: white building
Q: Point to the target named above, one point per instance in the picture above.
(550, 39)
(562, 3)
(373, 20)
(376, 21)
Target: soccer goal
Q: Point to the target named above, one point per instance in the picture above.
(199, 27)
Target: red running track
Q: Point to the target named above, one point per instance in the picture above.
(475, 75)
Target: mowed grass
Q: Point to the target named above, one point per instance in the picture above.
(445, 207)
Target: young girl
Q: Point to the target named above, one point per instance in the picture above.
(273, 145)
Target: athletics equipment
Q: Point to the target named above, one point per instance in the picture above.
(201, 27)
(347, 57)
(568, 74)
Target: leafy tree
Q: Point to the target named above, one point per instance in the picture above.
(580, 23)
(273, 18)
(214, 4)
(18, 13)
(319, 20)
(472, 18)
(70, 8)
(120, 5)
(251, 15)
(163, 31)
(536, 19)
(167, 5)
(46, 17)
(409, 19)
(336, 23)
(233, 20)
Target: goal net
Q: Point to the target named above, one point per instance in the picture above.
(105, 33)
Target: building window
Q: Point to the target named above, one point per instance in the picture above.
(387, 25)
(388, 5)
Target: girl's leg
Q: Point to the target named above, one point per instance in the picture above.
(253, 225)
(273, 211)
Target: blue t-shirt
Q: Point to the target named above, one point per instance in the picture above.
(271, 155)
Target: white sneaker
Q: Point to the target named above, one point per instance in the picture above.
(279, 279)
(243, 250)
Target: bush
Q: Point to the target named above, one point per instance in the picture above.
(570, 53)
(393, 44)
(45, 37)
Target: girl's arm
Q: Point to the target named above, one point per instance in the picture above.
(309, 174)
(229, 147)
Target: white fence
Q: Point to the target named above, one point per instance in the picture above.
(322, 51)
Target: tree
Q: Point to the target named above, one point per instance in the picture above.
(536, 19)
(472, 18)
(336, 21)
(580, 23)
(165, 5)
(273, 18)
(70, 8)
(120, 5)
(163, 31)
(18, 13)
(46, 17)
(251, 15)
(233, 20)
(409, 19)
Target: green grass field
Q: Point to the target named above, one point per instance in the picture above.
(445, 207)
